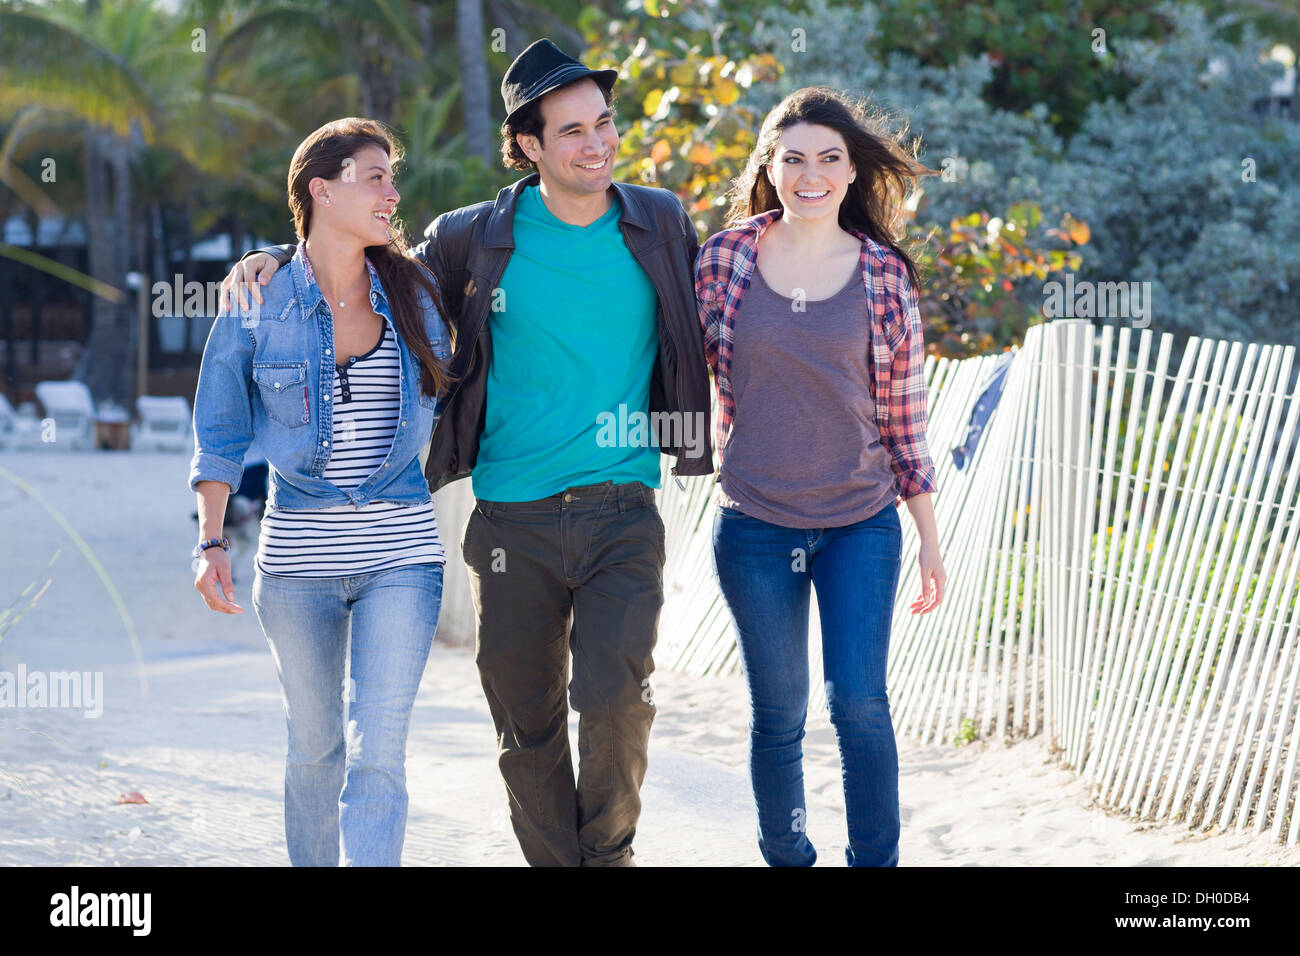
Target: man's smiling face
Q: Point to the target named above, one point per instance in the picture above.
(579, 140)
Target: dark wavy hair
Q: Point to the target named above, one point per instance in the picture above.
(323, 154)
(529, 122)
(887, 170)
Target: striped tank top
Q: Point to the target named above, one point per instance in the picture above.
(344, 540)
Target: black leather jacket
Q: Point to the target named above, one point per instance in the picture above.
(467, 250)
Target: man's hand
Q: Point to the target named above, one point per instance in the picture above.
(214, 578)
(246, 279)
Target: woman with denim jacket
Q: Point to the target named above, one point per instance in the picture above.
(338, 375)
(809, 313)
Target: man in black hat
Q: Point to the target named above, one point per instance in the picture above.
(574, 307)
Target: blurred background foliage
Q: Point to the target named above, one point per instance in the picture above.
(1118, 140)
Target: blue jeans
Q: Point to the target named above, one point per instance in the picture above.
(348, 779)
(765, 572)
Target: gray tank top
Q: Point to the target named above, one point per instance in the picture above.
(804, 450)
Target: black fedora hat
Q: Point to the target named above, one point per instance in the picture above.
(541, 68)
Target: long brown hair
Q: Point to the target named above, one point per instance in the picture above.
(323, 154)
(887, 171)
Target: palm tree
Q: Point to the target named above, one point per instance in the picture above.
(521, 23)
(375, 42)
(527, 20)
(61, 69)
(472, 47)
(126, 71)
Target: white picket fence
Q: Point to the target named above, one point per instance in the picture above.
(1123, 562)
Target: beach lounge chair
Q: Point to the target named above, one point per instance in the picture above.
(8, 424)
(164, 424)
(19, 430)
(73, 410)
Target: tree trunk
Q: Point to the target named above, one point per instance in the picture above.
(538, 22)
(107, 362)
(513, 34)
(471, 46)
(423, 14)
(377, 69)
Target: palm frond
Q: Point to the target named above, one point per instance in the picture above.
(287, 18)
(56, 66)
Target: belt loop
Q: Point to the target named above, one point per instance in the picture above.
(486, 508)
(620, 492)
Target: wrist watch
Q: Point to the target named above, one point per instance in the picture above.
(222, 543)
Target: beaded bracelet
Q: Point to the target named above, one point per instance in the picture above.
(222, 543)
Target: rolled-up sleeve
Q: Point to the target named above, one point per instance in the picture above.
(708, 288)
(908, 400)
(439, 336)
(223, 410)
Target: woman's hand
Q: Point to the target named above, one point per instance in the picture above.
(933, 578)
(215, 583)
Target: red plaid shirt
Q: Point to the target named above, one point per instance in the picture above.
(897, 367)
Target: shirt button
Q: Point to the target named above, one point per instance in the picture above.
(403, 423)
(327, 351)
(276, 384)
(323, 442)
(328, 397)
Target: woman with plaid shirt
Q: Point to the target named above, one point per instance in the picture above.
(809, 313)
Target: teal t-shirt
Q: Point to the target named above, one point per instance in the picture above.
(574, 337)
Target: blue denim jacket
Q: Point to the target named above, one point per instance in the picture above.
(269, 372)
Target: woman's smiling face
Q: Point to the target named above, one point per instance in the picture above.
(362, 198)
(810, 171)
